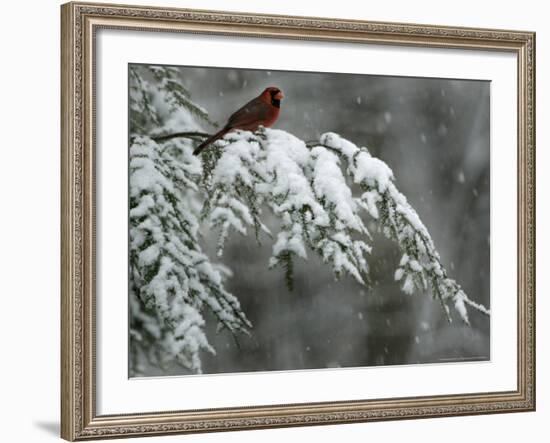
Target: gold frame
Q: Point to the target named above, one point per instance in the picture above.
(79, 22)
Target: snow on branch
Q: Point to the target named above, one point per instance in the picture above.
(239, 185)
(173, 279)
(306, 187)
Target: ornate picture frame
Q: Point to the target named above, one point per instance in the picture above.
(80, 23)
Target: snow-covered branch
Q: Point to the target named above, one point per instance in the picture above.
(239, 185)
(306, 186)
(420, 266)
(172, 281)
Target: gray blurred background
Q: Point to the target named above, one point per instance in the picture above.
(434, 134)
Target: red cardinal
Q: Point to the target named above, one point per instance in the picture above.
(261, 111)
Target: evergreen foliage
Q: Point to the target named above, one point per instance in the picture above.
(171, 280)
(235, 187)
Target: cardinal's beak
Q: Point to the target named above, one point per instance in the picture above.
(279, 95)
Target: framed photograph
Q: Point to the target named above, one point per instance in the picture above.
(282, 221)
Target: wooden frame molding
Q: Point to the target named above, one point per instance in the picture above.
(79, 23)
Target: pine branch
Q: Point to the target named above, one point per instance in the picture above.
(186, 134)
(304, 185)
(172, 281)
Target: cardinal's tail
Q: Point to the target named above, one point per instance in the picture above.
(210, 140)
